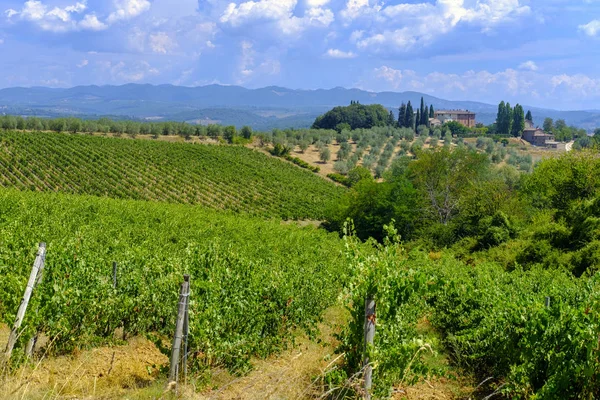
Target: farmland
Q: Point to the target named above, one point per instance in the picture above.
(219, 177)
(488, 292)
(254, 281)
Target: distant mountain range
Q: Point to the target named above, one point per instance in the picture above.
(265, 108)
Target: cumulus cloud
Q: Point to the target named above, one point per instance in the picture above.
(336, 53)
(278, 12)
(83, 63)
(57, 19)
(529, 65)
(524, 84)
(317, 3)
(91, 22)
(592, 28)
(127, 9)
(399, 27)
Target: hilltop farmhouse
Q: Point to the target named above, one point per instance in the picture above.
(538, 137)
(467, 118)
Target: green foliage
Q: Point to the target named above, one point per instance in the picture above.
(456, 128)
(494, 323)
(254, 282)
(354, 116)
(301, 163)
(220, 177)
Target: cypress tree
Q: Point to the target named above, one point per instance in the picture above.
(501, 117)
(425, 116)
(391, 119)
(418, 119)
(529, 117)
(431, 112)
(518, 121)
(402, 116)
(410, 116)
(422, 109)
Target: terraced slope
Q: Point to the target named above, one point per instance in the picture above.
(221, 177)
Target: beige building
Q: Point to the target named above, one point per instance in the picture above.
(467, 118)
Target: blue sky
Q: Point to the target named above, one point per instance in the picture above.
(536, 52)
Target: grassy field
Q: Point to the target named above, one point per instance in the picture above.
(221, 177)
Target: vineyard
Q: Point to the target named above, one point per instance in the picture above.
(220, 177)
(254, 282)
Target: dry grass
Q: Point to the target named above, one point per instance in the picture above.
(290, 375)
(104, 372)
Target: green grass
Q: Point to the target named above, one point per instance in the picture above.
(221, 177)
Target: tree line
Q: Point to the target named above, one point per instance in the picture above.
(128, 127)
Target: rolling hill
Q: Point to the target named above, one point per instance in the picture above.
(264, 108)
(230, 178)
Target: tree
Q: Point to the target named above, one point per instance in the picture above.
(518, 124)
(443, 176)
(402, 116)
(229, 133)
(529, 117)
(431, 112)
(410, 117)
(356, 115)
(391, 119)
(246, 132)
(548, 124)
(501, 116)
(417, 119)
(325, 155)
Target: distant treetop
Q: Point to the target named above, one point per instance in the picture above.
(355, 116)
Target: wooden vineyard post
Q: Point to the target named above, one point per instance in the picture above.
(547, 301)
(33, 278)
(186, 331)
(176, 349)
(31, 343)
(369, 336)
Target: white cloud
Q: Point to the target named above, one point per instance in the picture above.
(91, 22)
(58, 19)
(529, 65)
(592, 28)
(399, 27)
(33, 10)
(10, 13)
(1, 41)
(264, 10)
(127, 9)
(133, 72)
(479, 85)
(83, 63)
(317, 3)
(161, 43)
(278, 12)
(335, 53)
(394, 77)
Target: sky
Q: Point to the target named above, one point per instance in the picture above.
(535, 52)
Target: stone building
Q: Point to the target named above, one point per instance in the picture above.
(537, 137)
(467, 118)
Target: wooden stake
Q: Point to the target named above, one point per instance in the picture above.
(547, 301)
(37, 265)
(176, 349)
(369, 336)
(32, 342)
